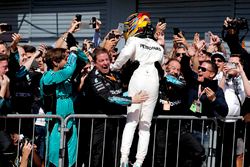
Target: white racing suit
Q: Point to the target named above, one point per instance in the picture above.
(145, 78)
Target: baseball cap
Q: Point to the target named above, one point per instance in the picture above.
(218, 55)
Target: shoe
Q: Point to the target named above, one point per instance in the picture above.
(124, 164)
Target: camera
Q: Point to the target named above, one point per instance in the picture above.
(237, 23)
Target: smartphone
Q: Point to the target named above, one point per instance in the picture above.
(162, 20)
(176, 31)
(93, 21)
(207, 38)
(78, 18)
(231, 65)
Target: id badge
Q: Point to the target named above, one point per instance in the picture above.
(193, 106)
(196, 106)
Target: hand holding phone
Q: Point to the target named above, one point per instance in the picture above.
(207, 38)
(78, 19)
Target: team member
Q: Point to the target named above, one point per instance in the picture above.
(105, 87)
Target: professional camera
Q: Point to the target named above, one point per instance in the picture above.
(231, 33)
(237, 23)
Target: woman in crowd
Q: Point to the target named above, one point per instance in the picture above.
(57, 88)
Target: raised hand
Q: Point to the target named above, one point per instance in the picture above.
(15, 40)
(74, 27)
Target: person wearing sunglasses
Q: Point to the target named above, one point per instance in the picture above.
(204, 96)
(206, 90)
(180, 52)
(219, 59)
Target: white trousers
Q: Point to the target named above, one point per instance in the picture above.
(145, 79)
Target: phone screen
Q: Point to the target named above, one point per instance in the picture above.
(207, 38)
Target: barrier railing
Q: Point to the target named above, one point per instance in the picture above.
(108, 131)
(34, 116)
(119, 128)
(211, 131)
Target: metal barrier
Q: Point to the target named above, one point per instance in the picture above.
(234, 137)
(106, 131)
(98, 126)
(119, 128)
(211, 133)
(33, 117)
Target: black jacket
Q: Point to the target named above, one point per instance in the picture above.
(105, 91)
(217, 108)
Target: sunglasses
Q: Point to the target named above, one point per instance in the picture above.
(217, 60)
(179, 54)
(203, 69)
(112, 36)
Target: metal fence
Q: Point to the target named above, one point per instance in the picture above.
(99, 139)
